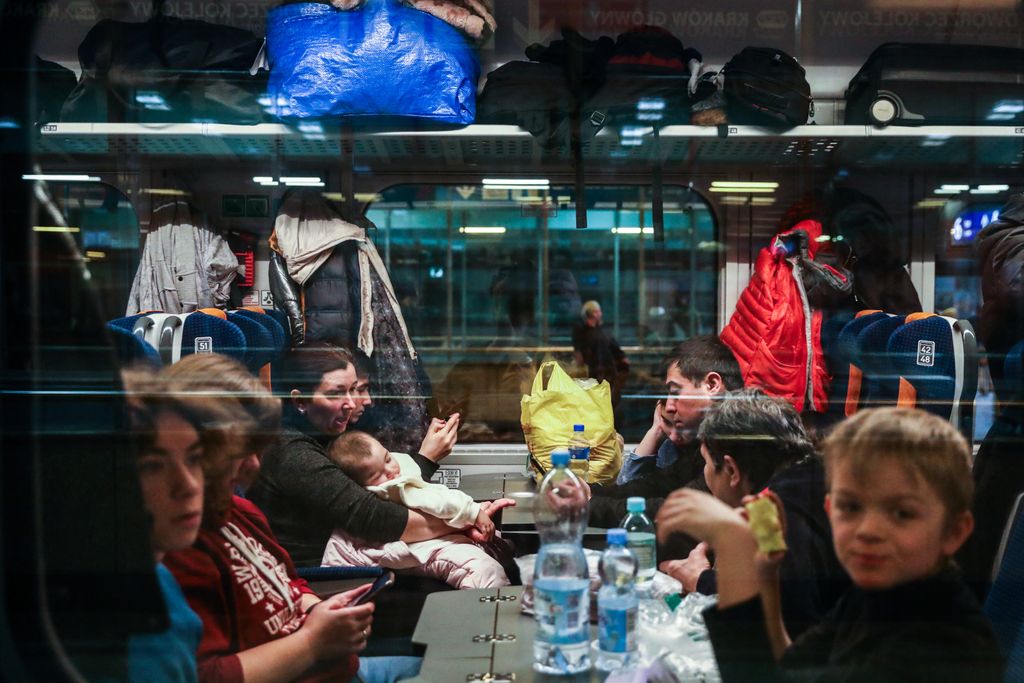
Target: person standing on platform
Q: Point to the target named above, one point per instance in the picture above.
(599, 351)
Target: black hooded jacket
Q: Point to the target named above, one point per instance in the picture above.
(810, 578)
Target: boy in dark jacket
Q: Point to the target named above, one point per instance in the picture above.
(750, 441)
(899, 505)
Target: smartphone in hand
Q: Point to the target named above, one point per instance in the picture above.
(382, 582)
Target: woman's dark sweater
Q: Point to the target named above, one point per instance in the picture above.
(306, 497)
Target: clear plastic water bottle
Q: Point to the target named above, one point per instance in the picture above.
(641, 541)
(617, 605)
(579, 454)
(561, 586)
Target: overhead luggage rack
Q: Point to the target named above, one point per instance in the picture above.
(494, 146)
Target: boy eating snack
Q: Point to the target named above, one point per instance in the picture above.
(899, 506)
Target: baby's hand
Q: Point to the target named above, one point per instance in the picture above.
(484, 526)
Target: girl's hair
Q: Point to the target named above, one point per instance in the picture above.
(232, 403)
(925, 444)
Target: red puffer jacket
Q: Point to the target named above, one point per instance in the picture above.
(774, 335)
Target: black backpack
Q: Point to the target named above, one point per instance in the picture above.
(766, 87)
(167, 70)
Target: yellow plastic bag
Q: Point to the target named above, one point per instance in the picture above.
(549, 412)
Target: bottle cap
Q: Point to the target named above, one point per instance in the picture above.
(577, 428)
(636, 504)
(616, 537)
(560, 458)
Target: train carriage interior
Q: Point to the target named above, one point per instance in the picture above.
(533, 159)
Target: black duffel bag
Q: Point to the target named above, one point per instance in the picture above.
(167, 70)
(766, 87)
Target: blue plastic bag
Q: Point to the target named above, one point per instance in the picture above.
(384, 59)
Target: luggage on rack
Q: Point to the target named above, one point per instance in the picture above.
(766, 87)
(546, 95)
(929, 84)
(382, 59)
(53, 85)
(167, 70)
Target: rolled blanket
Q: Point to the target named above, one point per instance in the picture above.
(475, 18)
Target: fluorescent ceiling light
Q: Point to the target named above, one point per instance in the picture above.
(649, 116)
(515, 187)
(633, 231)
(54, 228)
(1009, 107)
(483, 230)
(978, 190)
(516, 182)
(932, 203)
(651, 104)
(749, 190)
(745, 185)
(733, 200)
(301, 181)
(941, 191)
(994, 188)
(64, 177)
(631, 142)
(164, 191)
(96, 254)
(264, 180)
(762, 201)
(636, 131)
(956, 188)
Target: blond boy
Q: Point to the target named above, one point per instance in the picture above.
(899, 507)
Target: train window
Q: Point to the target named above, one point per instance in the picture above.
(485, 271)
(637, 171)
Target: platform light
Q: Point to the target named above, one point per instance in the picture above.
(994, 188)
(955, 188)
(482, 230)
(931, 203)
(649, 116)
(631, 142)
(264, 180)
(96, 254)
(301, 181)
(762, 201)
(516, 182)
(633, 231)
(55, 228)
(62, 177)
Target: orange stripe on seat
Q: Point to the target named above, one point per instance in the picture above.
(861, 314)
(908, 395)
(215, 312)
(253, 309)
(853, 390)
(913, 317)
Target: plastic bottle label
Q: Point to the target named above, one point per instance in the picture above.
(617, 629)
(642, 545)
(579, 453)
(563, 610)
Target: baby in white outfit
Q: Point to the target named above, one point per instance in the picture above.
(454, 558)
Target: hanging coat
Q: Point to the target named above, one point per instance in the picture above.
(329, 278)
(774, 334)
(185, 265)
